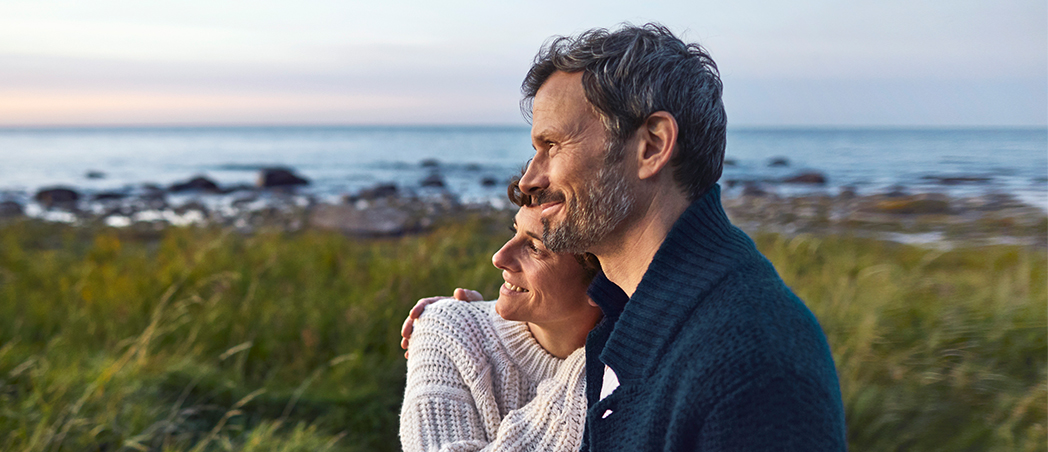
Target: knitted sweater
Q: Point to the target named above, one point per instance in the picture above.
(479, 382)
(712, 352)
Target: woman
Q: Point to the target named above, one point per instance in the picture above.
(509, 374)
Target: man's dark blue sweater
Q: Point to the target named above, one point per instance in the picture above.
(712, 352)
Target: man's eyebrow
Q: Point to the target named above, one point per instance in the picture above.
(534, 235)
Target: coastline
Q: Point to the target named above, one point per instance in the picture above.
(933, 219)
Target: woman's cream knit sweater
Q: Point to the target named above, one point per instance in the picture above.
(479, 382)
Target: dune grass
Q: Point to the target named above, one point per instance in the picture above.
(199, 339)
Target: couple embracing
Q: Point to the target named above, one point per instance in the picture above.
(633, 316)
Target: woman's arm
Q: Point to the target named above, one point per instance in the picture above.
(420, 306)
(439, 410)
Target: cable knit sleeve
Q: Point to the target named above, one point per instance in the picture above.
(439, 410)
(457, 383)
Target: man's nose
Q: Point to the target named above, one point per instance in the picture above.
(535, 178)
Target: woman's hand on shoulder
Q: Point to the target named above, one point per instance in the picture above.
(409, 323)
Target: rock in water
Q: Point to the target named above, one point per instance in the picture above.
(806, 178)
(433, 180)
(386, 190)
(108, 196)
(280, 177)
(778, 162)
(57, 197)
(95, 174)
(199, 183)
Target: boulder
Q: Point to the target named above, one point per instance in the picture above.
(386, 190)
(10, 209)
(280, 177)
(108, 196)
(778, 162)
(433, 180)
(199, 183)
(377, 221)
(95, 174)
(238, 187)
(730, 162)
(753, 189)
(810, 177)
(958, 180)
(489, 181)
(57, 197)
(430, 163)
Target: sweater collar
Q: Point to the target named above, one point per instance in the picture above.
(608, 296)
(526, 352)
(699, 250)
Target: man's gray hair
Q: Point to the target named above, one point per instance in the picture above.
(632, 72)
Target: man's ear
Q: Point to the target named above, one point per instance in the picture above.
(658, 138)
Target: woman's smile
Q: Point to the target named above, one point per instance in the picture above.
(511, 287)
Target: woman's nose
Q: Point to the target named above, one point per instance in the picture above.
(503, 259)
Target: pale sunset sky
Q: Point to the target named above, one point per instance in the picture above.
(784, 63)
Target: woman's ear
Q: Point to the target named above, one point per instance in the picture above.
(658, 139)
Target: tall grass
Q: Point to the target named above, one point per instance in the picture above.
(197, 339)
(201, 339)
(934, 350)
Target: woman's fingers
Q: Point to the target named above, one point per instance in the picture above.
(409, 323)
(468, 295)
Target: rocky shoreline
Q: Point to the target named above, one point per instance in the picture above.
(277, 200)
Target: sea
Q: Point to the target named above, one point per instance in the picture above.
(474, 163)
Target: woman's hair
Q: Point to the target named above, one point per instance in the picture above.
(517, 196)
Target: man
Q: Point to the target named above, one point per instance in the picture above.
(711, 351)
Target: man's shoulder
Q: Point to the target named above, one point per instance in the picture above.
(752, 320)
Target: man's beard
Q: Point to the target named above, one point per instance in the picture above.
(602, 204)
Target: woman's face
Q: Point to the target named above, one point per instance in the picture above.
(541, 286)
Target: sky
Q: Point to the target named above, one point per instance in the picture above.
(783, 63)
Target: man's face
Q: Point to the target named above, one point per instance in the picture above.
(583, 196)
